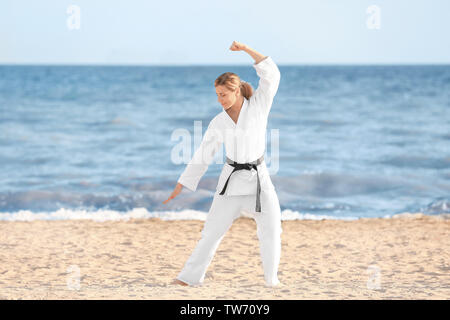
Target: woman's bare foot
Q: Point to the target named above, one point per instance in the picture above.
(176, 281)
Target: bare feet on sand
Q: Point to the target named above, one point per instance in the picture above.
(176, 281)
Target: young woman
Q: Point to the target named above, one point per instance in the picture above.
(244, 183)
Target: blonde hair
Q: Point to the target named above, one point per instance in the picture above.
(232, 81)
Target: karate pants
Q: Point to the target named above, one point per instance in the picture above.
(224, 210)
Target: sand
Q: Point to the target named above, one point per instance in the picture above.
(402, 258)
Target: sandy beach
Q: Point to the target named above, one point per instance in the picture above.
(400, 258)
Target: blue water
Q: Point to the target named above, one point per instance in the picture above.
(354, 141)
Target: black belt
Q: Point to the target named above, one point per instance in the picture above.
(246, 166)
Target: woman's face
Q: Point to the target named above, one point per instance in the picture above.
(226, 97)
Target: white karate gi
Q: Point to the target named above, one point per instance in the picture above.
(244, 142)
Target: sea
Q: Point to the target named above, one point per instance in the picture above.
(103, 142)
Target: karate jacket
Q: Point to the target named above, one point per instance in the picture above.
(244, 141)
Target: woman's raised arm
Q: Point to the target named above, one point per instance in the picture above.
(269, 76)
(237, 46)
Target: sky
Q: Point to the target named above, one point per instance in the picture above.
(200, 32)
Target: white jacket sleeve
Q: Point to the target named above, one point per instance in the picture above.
(269, 80)
(202, 158)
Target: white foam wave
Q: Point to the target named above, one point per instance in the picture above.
(142, 213)
(102, 215)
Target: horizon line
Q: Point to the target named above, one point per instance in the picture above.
(227, 64)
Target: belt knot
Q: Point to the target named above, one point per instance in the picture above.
(246, 166)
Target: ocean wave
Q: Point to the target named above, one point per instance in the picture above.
(142, 213)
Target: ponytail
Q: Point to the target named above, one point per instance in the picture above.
(246, 89)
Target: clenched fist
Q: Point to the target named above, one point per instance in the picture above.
(237, 46)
